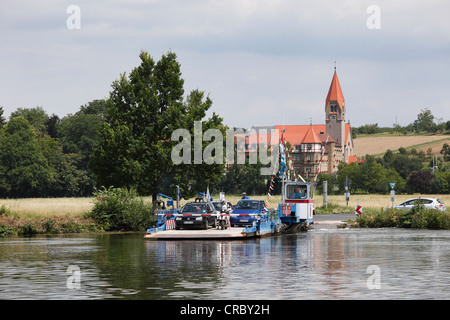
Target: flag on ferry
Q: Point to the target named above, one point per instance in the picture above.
(282, 156)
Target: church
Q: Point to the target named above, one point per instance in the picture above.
(333, 139)
(318, 148)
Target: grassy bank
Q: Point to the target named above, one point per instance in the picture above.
(375, 201)
(49, 207)
(71, 215)
(74, 207)
(418, 218)
(23, 224)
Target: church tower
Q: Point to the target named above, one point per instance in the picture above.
(335, 112)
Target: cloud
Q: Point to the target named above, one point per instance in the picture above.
(272, 56)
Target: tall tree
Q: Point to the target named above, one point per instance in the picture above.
(425, 121)
(37, 117)
(2, 119)
(142, 112)
(52, 125)
(24, 170)
(445, 151)
(420, 181)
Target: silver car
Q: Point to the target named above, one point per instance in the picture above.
(428, 203)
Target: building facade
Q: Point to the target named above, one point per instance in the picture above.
(320, 148)
(317, 148)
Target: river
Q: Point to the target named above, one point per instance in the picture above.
(323, 263)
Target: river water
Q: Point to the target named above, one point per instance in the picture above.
(323, 263)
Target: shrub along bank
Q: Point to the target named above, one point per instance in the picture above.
(117, 209)
(418, 217)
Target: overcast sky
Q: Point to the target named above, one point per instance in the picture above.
(262, 62)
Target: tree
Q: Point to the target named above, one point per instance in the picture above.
(2, 119)
(445, 151)
(388, 155)
(370, 176)
(420, 181)
(447, 125)
(79, 135)
(373, 175)
(404, 165)
(243, 178)
(353, 171)
(52, 126)
(142, 112)
(37, 117)
(24, 170)
(425, 121)
(97, 107)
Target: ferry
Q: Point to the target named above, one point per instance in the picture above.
(295, 212)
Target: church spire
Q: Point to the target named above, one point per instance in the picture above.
(335, 92)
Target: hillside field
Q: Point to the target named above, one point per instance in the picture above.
(377, 145)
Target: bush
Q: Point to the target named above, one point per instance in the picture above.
(27, 229)
(49, 226)
(437, 219)
(418, 218)
(117, 209)
(5, 230)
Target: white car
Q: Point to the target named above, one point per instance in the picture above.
(428, 203)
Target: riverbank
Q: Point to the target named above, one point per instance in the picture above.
(11, 225)
(50, 207)
(336, 220)
(69, 215)
(417, 218)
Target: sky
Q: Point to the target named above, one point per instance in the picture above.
(261, 62)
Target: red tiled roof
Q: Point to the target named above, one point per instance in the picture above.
(295, 134)
(311, 136)
(335, 92)
(347, 131)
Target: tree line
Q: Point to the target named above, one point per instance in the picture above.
(125, 141)
(412, 171)
(426, 123)
(42, 155)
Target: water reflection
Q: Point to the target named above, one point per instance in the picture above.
(322, 263)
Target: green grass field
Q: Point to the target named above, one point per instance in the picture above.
(61, 207)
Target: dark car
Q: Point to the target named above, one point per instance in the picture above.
(196, 214)
(247, 211)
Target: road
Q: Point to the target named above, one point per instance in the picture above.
(333, 218)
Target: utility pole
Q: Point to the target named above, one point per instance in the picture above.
(325, 193)
(347, 186)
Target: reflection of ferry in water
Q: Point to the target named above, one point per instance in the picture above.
(295, 212)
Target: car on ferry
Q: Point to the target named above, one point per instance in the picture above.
(196, 214)
(247, 211)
